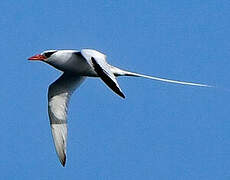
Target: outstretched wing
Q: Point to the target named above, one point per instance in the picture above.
(103, 69)
(58, 97)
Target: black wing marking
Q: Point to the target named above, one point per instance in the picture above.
(106, 78)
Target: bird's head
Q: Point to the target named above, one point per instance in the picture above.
(45, 56)
(57, 58)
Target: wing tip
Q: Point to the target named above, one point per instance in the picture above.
(63, 160)
(121, 95)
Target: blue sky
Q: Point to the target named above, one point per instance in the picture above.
(160, 131)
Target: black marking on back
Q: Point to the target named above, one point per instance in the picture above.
(78, 53)
(103, 75)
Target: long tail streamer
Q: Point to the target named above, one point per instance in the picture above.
(165, 80)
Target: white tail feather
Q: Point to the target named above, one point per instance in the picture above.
(120, 72)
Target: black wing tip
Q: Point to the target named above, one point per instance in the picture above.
(121, 94)
(63, 164)
(63, 161)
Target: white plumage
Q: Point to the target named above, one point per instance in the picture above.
(76, 66)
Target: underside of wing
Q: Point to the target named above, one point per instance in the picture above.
(58, 98)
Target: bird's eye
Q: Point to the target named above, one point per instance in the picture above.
(48, 54)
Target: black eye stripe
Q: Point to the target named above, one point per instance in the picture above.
(48, 54)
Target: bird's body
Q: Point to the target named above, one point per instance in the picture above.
(76, 66)
(72, 61)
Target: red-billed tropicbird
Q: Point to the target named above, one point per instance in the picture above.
(76, 66)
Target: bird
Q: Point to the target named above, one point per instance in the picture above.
(76, 66)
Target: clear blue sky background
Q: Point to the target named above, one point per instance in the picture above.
(160, 131)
